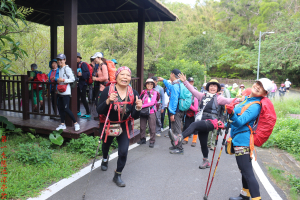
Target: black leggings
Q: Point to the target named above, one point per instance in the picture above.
(203, 128)
(248, 179)
(81, 94)
(53, 100)
(123, 144)
(63, 108)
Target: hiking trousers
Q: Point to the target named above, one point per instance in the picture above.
(123, 145)
(176, 125)
(158, 120)
(248, 178)
(202, 127)
(63, 102)
(152, 125)
(81, 95)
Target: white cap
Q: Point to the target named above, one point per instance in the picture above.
(267, 84)
(226, 85)
(204, 84)
(235, 85)
(97, 55)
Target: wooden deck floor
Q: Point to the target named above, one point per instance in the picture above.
(45, 125)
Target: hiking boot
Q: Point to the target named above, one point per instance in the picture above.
(151, 145)
(172, 148)
(205, 164)
(176, 139)
(184, 142)
(86, 116)
(104, 165)
(241, 197)
(142, 141)
(177, 151)
(193, 144)
(117, 179)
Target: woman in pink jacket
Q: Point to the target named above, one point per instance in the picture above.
(148, 111)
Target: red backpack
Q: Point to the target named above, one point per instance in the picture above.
(264, 124)
(40, 77)
(90, 80)
(111, 70)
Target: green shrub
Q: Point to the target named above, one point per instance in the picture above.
(288, 106)
(85, 144)
(30, 153)
(294, 183)
(56, 138)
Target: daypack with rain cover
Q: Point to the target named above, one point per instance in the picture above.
(40, 77)
(111, 70)
(91, 70)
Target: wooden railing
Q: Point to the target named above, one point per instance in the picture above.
(134, 83)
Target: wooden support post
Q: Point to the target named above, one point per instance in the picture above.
(53, 36)
(1, 89)
(140, 48)
(25, 97)
(70, 46)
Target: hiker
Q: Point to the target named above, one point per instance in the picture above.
(190, 116)
(165, 103)
(168, 93)
(203, 90)
(209, 120)
(32, 77)
(233, 90)
(176, 115)
(240, 134)
(101, 76)
(115, 62)
(66, 77)
(122, 92)
(53, 76)
(287, 84)
(224, 91)
(83, 73)
(272, 94)
(159, 105)
(95, 85)
(148, 112)
(282, 91)
(240, 91)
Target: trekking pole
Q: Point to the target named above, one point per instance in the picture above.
(105, 123)
(223, 144)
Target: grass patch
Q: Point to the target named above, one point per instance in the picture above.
(288, 106)
(286, 182)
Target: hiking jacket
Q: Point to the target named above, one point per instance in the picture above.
(239, 129)
(282, 90)
(102, 76)
(56, 77)
(147, 103)
(67, 74)
(274, 88)
(161, 91)
(85, 74)
(226, 93)
(174, 97)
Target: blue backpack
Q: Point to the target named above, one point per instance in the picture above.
(185, 98)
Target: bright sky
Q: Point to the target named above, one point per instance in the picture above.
(191, 2)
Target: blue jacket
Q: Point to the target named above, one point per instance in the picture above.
(161, 91)
(239, 123)
(175, 93)
(56, 77)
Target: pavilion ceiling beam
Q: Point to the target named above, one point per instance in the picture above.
(130, 16)
(98, 18)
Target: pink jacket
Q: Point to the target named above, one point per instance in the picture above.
(102, 76)
(153, 101)
(221, 100)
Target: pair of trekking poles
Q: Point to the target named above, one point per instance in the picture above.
(207, 189)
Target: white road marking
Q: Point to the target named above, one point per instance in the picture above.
(56, 187)
(264, 180)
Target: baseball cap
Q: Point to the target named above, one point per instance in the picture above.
(191, 79)
(97, 55)
(114, 60)
(176, 72)
(78, 55)
(266, 83)
(154, 78)
(61, 56)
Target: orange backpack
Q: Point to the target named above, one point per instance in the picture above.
(111, 70)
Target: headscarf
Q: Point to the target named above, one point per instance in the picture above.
(121, 69)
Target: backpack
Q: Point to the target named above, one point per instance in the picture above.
(40, 77)
(73, 84)
(111, 70)
(264, 124)
(90, 80)
(185, 98)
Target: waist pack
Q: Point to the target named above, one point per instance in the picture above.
(62, 88)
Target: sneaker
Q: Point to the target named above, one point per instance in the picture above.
(193, 144)
(212, 148)
(172, 148)
(241, 197)
(158, 134)
(167, 135)
(205, 164)
(184, 142)
(77, 127)
(161, 129)
(177, 151)
(176, 139)
(79, 113)
(85, 116)
(61, 126)
(151, 145)
(142, 141)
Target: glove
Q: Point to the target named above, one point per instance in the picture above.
(221, 125)
(230, 107)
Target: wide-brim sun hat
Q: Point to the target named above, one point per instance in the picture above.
(235, 85)
(149, 80)
(242, 86)
(266, 83)
(50, 63)
(213, 81)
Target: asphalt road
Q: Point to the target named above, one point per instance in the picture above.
(157, 174)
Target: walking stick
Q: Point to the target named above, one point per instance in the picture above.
(223, 144)
(110, 106)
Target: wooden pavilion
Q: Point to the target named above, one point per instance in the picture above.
(70, 13)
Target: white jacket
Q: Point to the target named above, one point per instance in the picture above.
(67, 74)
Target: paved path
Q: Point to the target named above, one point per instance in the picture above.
(157, 174)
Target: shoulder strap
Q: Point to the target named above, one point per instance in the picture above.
(247, 106)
